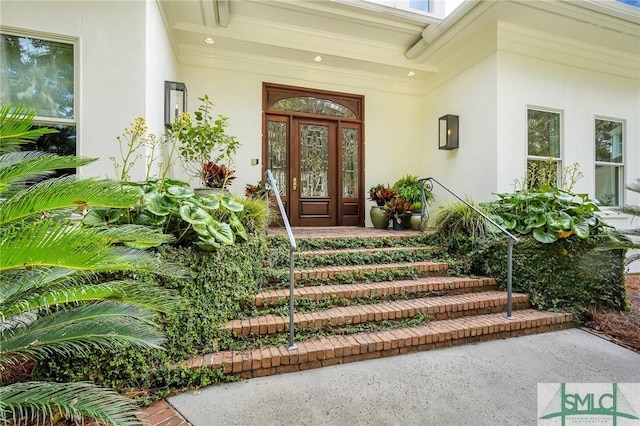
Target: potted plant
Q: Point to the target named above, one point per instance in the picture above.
(409, 188)
(257, 191)
(216, 176)
(204, 146)
(380, 194)
(398, 208)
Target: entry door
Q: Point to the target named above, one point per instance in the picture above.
(313, 144)
(313, 196)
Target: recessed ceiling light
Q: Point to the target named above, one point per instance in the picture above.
(318, 58)
(411, 73)
(209, 40)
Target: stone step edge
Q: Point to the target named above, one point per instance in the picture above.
(437, 308)
(334, 350)
(434, 284)
(327, 252)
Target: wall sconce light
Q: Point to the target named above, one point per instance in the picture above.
(448, 132)
(175, 101)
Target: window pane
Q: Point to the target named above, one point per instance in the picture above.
(314, 160)
(543, 133)
(37, 73)
(422, 5)
(607, 185)
(609, 141)
(277, 153)
(350, 162)
(313, 106)
(62, 143)
(542, 173)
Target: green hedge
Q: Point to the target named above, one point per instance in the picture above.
(568, 274)
(221, 281)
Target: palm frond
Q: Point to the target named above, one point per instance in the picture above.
(101, 325)
(66, 192)
(66, 245)
(634, 186)
(137, 234)
(28, 166)
(16, 285)
(15, 127)
(125, 291)
(631, 209)
(35, 402)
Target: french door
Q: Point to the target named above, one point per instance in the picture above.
(317, 163)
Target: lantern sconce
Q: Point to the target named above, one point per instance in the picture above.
(448, 132)
(175, 101)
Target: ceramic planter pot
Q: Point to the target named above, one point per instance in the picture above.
(379, 217)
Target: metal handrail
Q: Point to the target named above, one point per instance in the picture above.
(511, 239)
(270, 184)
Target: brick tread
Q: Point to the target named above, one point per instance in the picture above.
(363, 250)
(423, 268)
(162, 414)
(356, 347)
(438, 308)
(383, 289)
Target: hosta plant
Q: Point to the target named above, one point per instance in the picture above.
(173, 206)
(547, 213)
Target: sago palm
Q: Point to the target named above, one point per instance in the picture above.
(52, 300)
(635, 233)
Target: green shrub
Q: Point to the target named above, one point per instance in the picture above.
(459, 226)
(221, 281)
(548, 214)
(570, 273)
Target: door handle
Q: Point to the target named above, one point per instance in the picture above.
(295, 184)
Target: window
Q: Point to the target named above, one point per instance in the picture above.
(410, 5)
(543, 148)
(609, 161)
(41, 75)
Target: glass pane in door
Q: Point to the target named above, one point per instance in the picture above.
(314, 160)
(349, 162)
(277, 153)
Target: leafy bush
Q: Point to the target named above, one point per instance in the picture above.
(548, 214)
(459, 226)
(209, 222)
(408, 187)
(570, 273)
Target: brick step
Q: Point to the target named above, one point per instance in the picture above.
(328, 272)
(383, 289)
(364, 251)
(437, 308)
(356, 347)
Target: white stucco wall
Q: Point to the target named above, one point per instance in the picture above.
(161, 66)
(469, 170)
(580, 96)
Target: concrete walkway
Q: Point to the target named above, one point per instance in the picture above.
(491, 383)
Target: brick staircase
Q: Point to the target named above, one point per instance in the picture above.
(352, 312)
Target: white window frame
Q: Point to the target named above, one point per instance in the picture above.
(53, 121)
(619, 166)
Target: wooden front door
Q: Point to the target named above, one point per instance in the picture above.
(315, 158)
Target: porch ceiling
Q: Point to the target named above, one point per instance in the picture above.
(364, 38)
(352, 35)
